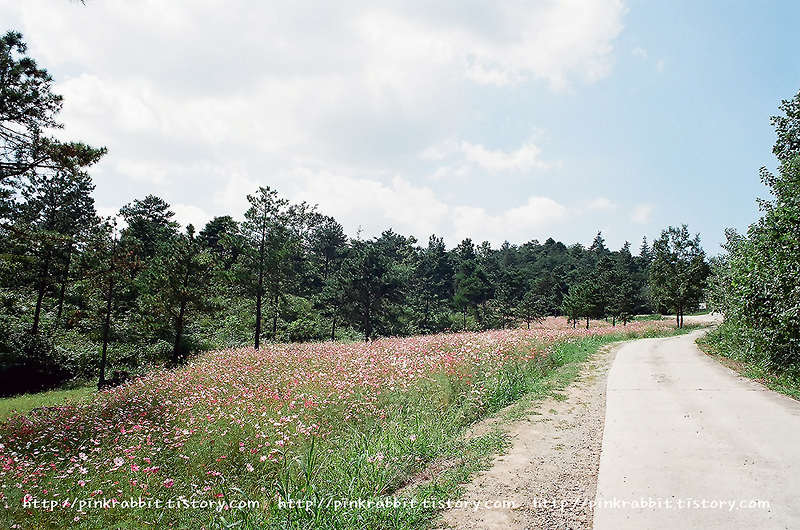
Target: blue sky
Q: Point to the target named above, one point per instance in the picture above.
(495, 120)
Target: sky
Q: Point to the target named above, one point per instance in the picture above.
(497, 120)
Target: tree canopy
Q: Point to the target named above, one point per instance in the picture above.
(678, 272)
(78, 296)
(755, 283)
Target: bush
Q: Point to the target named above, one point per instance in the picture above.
(30, 363)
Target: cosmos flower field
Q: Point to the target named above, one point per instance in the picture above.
(234, 435)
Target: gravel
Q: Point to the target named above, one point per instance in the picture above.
(548, 478)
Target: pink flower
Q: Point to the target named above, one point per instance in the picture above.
(168, 483)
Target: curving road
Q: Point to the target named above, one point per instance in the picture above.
(690, 444)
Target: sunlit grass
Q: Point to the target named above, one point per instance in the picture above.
(298, 422)
(735, 353)
(27, 402)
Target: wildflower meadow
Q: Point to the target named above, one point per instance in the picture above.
(290, 435)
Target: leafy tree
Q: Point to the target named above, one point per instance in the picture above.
(271, 240)
(373, 280)
(472, 285)
(259, 245)
(150, 224)
(787, 128)
(433, 282)
(27, 109)
(580, 302)
(679, 271)
(327, 248)
(103, 266)
(532, 308)
(328, 245)
(598, 248)
(178, 285)
(510, 286)
(219, 236)
(58, 209)
(644, 251)
(623, 288)
(755, 283)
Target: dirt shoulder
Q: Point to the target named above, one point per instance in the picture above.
(549, 475)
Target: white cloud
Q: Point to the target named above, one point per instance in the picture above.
(209, 97)
(290, 79)
(518, 224)
(440, 151)
(639, 52)
(233, 197)
(417, 210)
(107, 211)
(401, 205)
(142, 171)
(525, 158)
(446, 172)
(601, 204)
(641, 214)
(187, 214)
(96, 109)
(549, 41)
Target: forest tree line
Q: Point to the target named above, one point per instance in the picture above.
(80, 294)
(756, 282)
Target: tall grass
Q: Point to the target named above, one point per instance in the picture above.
(294, 436)
(745, 357)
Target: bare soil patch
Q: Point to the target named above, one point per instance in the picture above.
(549, 475)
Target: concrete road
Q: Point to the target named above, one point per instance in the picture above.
(690, 444)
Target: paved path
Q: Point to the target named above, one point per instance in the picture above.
(683, 430)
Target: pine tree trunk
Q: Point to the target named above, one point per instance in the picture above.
(107, 324)
(257, 340)
(106, 330)
(260, 286)
(64, 286)
(367, 325)
(178, 334)
(42, 287)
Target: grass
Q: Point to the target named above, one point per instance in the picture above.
(725, 346)
(647, 318)
(25, 403)
(287, 436)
